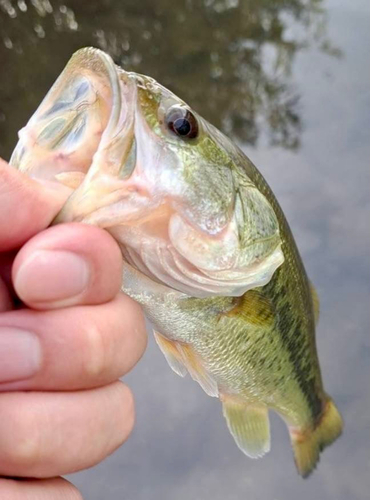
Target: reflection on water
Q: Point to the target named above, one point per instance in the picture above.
(242, 64)
(230, 59)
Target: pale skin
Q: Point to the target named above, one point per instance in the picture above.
(67, 334)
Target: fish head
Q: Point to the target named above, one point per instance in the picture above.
(145, 166)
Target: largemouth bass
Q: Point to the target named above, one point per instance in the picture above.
(207, 250)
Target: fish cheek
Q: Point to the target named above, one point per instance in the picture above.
(203, 251)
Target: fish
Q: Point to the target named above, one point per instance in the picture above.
(207, 250)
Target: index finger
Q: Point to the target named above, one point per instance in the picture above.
(27, 206)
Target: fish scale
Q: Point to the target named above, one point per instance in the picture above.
(207, 250)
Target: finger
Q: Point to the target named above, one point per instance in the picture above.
(49, 434)
(69, 349)
(55, 488)
(27, 206)
(67, 265)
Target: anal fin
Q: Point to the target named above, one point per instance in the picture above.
(249, 425)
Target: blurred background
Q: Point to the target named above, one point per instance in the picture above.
(288, 80)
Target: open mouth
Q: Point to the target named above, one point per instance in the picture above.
(86, 109)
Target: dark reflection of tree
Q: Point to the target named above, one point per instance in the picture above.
(230, 59)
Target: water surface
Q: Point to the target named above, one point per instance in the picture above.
(288, 80)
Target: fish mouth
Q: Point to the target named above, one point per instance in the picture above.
(85, 119)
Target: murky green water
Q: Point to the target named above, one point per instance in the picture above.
(289, 80)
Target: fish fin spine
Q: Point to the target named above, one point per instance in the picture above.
(308, 444)
(249, 425)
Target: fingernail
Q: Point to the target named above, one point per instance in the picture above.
(51, 276)
(20, 354)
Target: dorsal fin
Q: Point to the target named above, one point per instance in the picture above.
(315, 302)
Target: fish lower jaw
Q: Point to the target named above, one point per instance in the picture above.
(160, 262)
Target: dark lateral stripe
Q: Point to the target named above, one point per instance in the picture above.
(295, 343)
(298, 352)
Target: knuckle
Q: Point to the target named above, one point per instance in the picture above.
(140, 323)
(136, 320)
(128, 409)
(94, 360)
(24, 450)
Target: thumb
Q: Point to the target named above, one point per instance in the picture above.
(26, 206)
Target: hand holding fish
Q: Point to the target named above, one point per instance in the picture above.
(62, 407)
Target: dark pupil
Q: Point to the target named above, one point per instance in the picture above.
(182, 122)
(182, 126)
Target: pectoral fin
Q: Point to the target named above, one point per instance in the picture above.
(255, 308)
(249, 426)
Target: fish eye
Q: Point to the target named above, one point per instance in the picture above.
(182, 122)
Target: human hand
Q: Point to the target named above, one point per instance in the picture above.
(62, 408)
